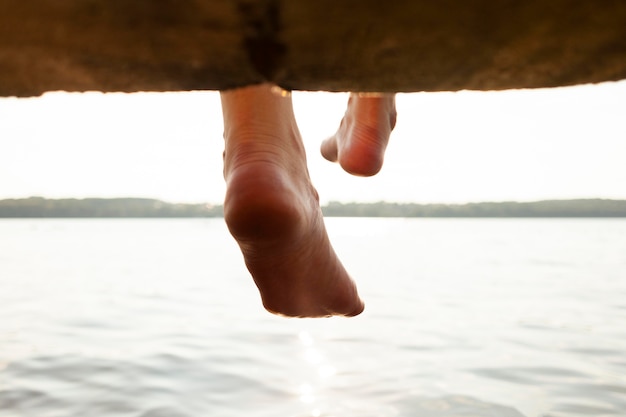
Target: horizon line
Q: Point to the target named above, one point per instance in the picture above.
(326, 203)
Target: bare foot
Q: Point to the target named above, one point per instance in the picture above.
(273, 212)
(361, 140)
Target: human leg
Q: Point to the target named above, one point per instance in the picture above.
(273, 212)
(360, 142)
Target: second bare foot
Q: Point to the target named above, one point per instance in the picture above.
(361, 140)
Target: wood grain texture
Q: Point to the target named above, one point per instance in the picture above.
(332, 45)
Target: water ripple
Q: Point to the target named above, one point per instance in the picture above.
(453, 406)
(464, 323)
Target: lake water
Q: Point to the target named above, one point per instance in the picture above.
(464, 318)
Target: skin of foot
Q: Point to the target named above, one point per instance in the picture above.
(360, 142)
(273, 212)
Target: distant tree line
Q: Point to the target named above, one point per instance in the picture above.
(548, 208)
(103, 207)
(144, 207)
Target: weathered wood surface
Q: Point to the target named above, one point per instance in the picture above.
(333, 45)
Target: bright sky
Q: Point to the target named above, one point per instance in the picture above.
(447, 147)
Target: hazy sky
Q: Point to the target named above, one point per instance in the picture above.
(447, 147)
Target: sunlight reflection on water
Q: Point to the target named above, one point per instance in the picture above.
(463, 317)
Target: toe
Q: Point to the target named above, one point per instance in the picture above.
(329, 149)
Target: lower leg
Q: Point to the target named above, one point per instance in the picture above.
(273, 212)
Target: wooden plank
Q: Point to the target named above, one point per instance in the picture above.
(333, 45)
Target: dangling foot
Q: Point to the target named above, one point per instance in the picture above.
(361, 140)
(273, 212)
